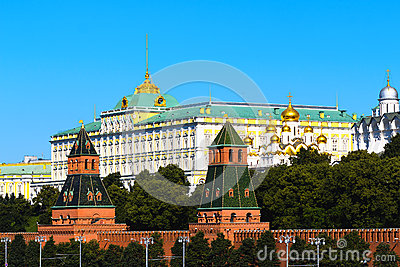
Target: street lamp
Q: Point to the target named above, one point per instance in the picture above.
(287, 239)
(183, 240)
(5, 240)
(147, 241)
(80, 239)
(317, 241)
(40, 239)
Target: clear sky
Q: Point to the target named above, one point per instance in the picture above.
(60, 58)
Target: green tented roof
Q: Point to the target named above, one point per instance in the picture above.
(247, 112)
(83, 145)
(228, 136)
(147, 100)
(222, 178)
(90, 127)
(39, 169)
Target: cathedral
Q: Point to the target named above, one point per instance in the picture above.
(374, 132)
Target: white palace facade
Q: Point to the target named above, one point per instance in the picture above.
(374, 132)
(148, 129)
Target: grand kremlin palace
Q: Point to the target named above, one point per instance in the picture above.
(147, 129)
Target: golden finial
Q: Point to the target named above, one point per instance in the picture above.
(147, 58)
(83, 125)
(388, 79)
(290, 98)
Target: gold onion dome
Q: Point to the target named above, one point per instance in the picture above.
(286, 129)
(322, 139)
(274, 139)
(308, 129)
(290, 114)
(271, 129)
(248, 141)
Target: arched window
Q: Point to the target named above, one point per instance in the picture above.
(248, 217)
(230, 155)
(233, 217)
(240, 155)
(93, 164)
(86, 164)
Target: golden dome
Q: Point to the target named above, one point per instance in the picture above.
(147, 86)
(290, 114)
(271, 129)
(274, 139)
(322, 139)
(308, 129)
(248, 141)
(286, 129)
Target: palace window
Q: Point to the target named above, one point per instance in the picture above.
(1, 188)
(334, 144)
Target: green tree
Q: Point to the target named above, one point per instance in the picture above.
(133, 255)
(49, 253)
(246, 254)
(266, 244)
(17, 252)
(198, 250)
(177, 252)
(43, 202)
(112, 179)
(92, 255)
(156, 251)
(113, 256)
(32, 253)
(69, 252)
(385, 257)
(392, 149)
(145, 212)
(119, 197)
(309, 156)
(353, 249)
(221, 251)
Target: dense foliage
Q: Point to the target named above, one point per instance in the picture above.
(362, 191)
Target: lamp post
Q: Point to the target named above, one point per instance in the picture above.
(5, 240)
(287, 239)
(80, 239)
(183, 240)
(40, 239)
(147, 241)
(317, 241)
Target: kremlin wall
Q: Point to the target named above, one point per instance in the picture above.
(84, 208)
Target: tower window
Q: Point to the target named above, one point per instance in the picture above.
(240, 155)
(231, 192)
(76, 163)
(93, 164)
(86, 164)
(246, 192)
(230, 155)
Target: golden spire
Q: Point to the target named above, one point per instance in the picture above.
(322, 138)
(147, 58)
(248, 140)
(83, 125)
(388, 79)
(271, 125)
(147, 86)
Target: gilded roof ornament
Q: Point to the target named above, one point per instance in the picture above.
(290, 114)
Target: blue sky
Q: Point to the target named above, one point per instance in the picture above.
(60, 58)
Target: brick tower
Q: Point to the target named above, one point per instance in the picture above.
(228, 201)
(83, 206)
